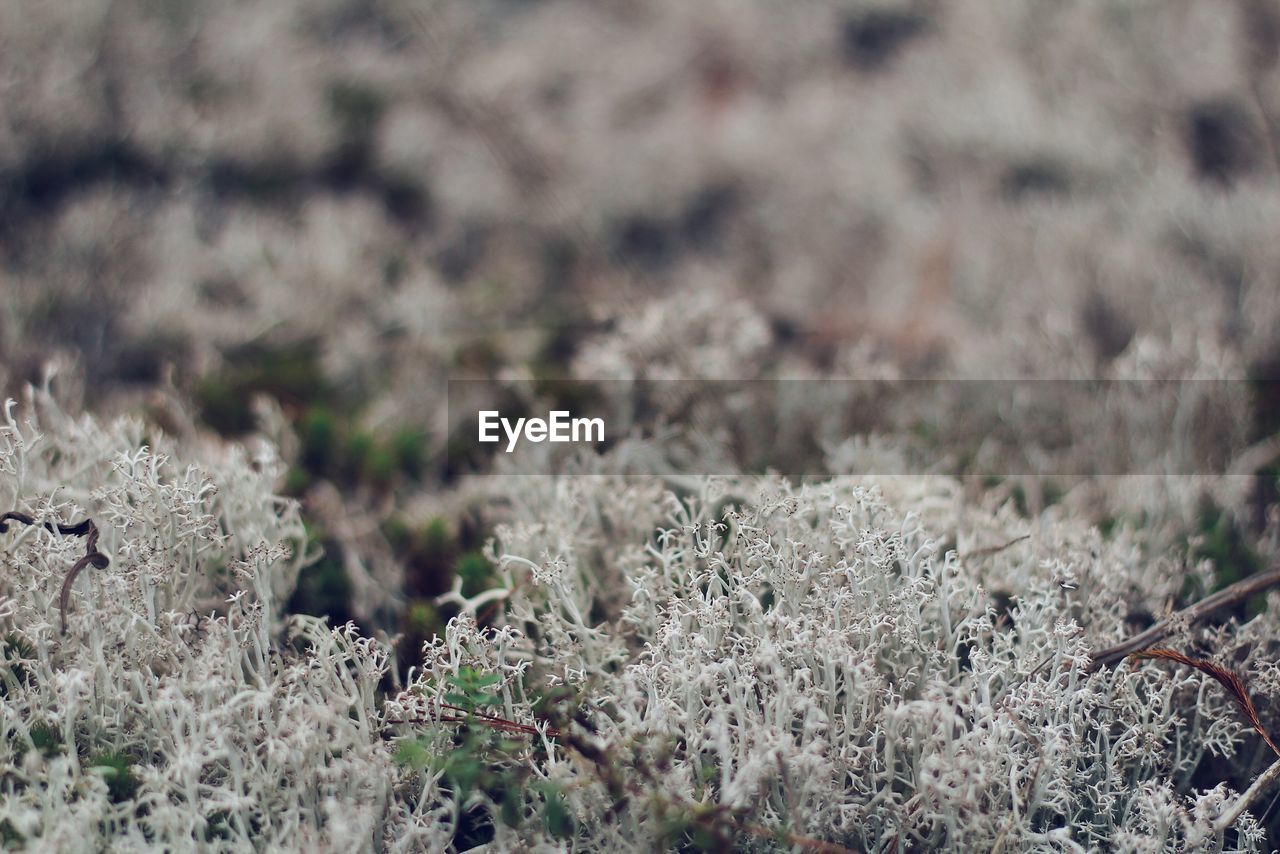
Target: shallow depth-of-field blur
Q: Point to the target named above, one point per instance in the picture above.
(299, 220)
(342, 205)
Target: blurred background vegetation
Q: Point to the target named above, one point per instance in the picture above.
(334, 206)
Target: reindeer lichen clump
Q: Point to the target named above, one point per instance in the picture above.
(857, 663)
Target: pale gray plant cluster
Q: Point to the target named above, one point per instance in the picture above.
(866, 662)
(822, 658)
(178, 708)
(1040, 191)
(669, 193)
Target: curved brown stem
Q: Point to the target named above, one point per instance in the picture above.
(92, 557)
(98, 560)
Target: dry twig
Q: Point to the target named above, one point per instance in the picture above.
(1189, 616)
(92, 557)
(458, 714)
(1260, 785)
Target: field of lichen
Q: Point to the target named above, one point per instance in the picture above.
(261, 240)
